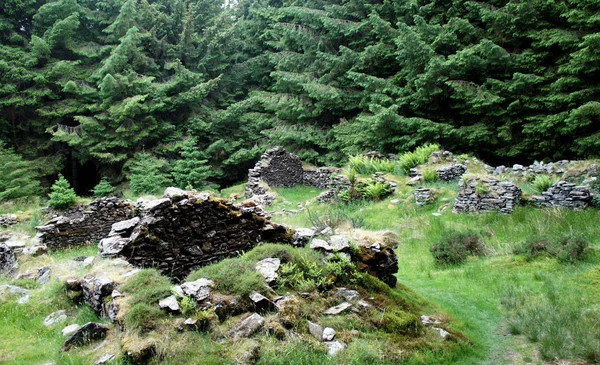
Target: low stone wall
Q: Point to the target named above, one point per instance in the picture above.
(181, 232)
(8, 220)
(451, 172)
(424, 196)
(564, 194)
(320, 178)
(486, 194)
(94, 224)
(582, 168)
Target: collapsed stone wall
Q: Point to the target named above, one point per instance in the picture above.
(581, 168)
(486, 194)
(94, 224)
(181, 232)
(564, 194)
(277, 167)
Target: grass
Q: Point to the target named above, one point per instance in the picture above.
(235, 276)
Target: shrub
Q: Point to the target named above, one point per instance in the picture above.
(370, 189)
(418, 157)
(343, 270)
(235, 276)
(430, 176)
(454, 247)
(569, 248)
(62, 195)
(149, 175)
(542, 183)
(103, 189)
(305, 273)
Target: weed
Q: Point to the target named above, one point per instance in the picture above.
(481, 188)
(430, 176)
(370, 165)
(418, 157)
(568, 248)
(142, 317)
(187, 304)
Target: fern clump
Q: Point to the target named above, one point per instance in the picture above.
(418, 157)
(542, 183)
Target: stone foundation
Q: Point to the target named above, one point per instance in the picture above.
(485, 195)
(564, 194)
(91, 227)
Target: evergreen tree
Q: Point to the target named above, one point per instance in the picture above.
(62, 196)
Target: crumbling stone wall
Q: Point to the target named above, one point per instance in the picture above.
(92, 226)
(181, 232)
(564, 194)
(583, 168)
(320, 178)
(486, 194)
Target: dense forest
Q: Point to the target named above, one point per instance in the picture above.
(200, 88)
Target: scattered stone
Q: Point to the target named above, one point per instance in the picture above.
(106, 358)
(8, 260)
(362, 304)
(315, 330)
(87, 333)
(169, 303)
(70, 330)
(416, 180)
(89, 261)
(199, 289)
(23, 294)
(395, 201)
(16, 246)
(55, 317)
(303, 235)
(327, 231)
(338, 309)
(95, 291)
(443, 332)
(328, 334)
(261, 303)
(247, 327)
(339, 243)
(268, 269)
(43, 275)
(333, 347)
(348, 294)
(8, 220)
(427, 321)
(176, 194)
(317, 243)
(35, 250)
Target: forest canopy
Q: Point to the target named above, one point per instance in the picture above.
(199, 88)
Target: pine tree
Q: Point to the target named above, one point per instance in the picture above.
(62, 195)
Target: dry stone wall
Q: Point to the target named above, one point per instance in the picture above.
(91, 227)
(486, 194)
(564, 194)
(181, 232)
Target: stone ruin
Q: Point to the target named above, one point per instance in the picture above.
(564, 194)
(8, 260)
(278, 168)
(92, 226)
(7, 220)
(486, 194)
(446, 173)
(181, 232)
(573, 169)
(424, 196)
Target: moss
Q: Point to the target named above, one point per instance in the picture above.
(289, 312)
(142, 317)
(206, 319)
(275, 329)
(397, 321)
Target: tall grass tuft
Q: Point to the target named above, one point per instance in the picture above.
(542, 183)
(418, 157)
(370, 165)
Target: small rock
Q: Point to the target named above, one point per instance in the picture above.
(262, 303)
(35, 250)
(87, 333)
(328, 334)
(70, 329)
(175, 194)
(247, 327)
(339, 243)
(268, 268)
(104, 359)
(55, 317)
(43, 275)
(169, 303)
(395, 201)
(333, 347)
(338, 309)
(89, 261)
(199, 289)
(303, 235)
(443, 332)
(317, 243)
(131, 273)
(14, 290)
(347, 294)
(315, 330)
(327, 231)
(8, 260)
(124, 227)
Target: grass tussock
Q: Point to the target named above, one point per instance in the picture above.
(236, 276)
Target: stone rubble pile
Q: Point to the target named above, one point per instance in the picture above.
(8, 260)
(564, 194)
(486, 194)
(91, 227)
(451, 172)
(181, 232)
(8, 220)
(551, 168)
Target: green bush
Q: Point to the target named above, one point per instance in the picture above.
(149, 175)
(235, 276)
(454, 247)
(103, 189)
(343, 270)
(370, 165)
(370, 189)
(419, 156)
(62, 195)
(569, 248)
(542, 183)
